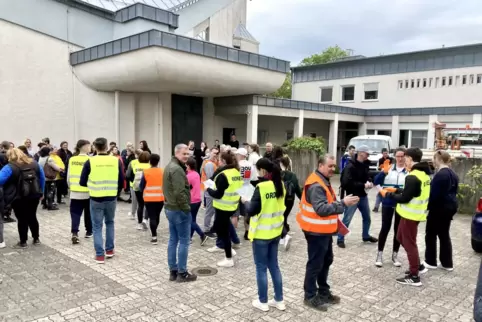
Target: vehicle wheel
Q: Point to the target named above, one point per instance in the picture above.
(477, 246)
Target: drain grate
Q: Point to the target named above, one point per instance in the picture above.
(205, 271)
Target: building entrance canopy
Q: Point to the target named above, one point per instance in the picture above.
(156, 61)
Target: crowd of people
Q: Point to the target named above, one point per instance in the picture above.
(230, 181)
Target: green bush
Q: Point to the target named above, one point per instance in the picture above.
(469, 194)
(306, 143)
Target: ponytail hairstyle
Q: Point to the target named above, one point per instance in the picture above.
(274, 172)
(79, 145)
(230, 159)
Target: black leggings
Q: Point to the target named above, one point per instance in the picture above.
(154, 210)
(438, 225)
(289, 205)
(221, 227)
(140, 206)
(387, 215)
(26, 212)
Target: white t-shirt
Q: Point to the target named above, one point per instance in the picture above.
(248, 172)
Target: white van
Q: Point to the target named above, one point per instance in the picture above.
(375, 144)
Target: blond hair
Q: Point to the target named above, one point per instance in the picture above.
(16, 155)
(442, 156)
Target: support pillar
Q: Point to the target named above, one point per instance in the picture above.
(476, 119)
(333, 137)
(252, 124)
(395, 131)
(208, 121)
(430, 133)
(164, 130)
(409, 138)
(362, 128)
(299, 124)
(117, 118)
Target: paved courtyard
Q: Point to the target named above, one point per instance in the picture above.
(58, 281)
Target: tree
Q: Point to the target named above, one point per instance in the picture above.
(330, 54)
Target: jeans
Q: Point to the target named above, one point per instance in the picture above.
(26, 212)
(179, 230)
(77, 206)
(265, 253)
(438, 225)
(154, 210)
(320, 258)
(365, 212)
(387, 216)
(378, 201)
(407, 235)
(194, 226)
(209, 213)
(101, 212)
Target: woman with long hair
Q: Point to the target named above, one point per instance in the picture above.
(47, 159)
(254, 154)
(200, 154)
(28, 145)
(23, 181)
(194, 181)
(144, 147)
(265, 228)
(79, 196)
(64, 154)
(228, 181)
(135, 176)
(442, 206)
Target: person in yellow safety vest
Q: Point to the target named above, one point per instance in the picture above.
(153, 194)
(266, 210)
(79, 196)
(103, 176)
(130, 173)
(226, 201)
(412, 204)
(134, 175)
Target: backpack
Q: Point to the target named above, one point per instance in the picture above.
(28, 183)
(289, 186)
(49, 172)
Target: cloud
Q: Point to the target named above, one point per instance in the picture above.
(294, 29)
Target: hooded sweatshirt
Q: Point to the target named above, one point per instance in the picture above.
(354, 177)
(413, 186)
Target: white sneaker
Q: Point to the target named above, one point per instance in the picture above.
(129, 214)
(3, 245)
(395, 261)
(260, 306)
(428, 266)
(215, 249)
(379, 260)
(140, 227)
(144, 224)
(448, 269)
(227, 262)
(279, 305)
(237, 246)
(282, 241)
(287, 243)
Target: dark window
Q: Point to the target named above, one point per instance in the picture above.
(371, 95)
(237, 46)
(348, 93)
(400, 84)
(424, 82)
(443, 81)
(464, 80)
(406, 84)
(413, 84)
(479, 79)
(370, 91)
(327, 94)
(418, 83)
(450, 80)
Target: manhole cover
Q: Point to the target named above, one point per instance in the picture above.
(205, 271)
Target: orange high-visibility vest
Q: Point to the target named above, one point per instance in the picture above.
(307, 218)
(153, 190)
(204, 177)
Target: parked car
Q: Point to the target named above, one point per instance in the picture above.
(477, 228)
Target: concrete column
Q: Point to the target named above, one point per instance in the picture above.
(409, 138)
(476, 119)
(117, 118)
(299, 124)
(333, 137)
(362, 128)
(252, 124)
(395, 131)
(431, 132)
(208, 121)
(165, 127)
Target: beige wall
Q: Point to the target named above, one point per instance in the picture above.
(224, 22)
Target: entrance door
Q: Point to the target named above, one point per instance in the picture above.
(187, 119)
(227, 133)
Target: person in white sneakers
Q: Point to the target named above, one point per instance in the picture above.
(249, 175)
(266, 225)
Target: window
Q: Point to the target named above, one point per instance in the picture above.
(406, 84)
(313, 135)
(443, 81)
(471, 79)
(237, 46)
(327, 94)
(424, 83)
(457, 80)
(419, 139)
(400, 84)
(450, 81)
(418, 83)
(464, 79)
(413, 84)
(430, 82)
(436, 81)
(371, 91)
(479, 79)
(370, 132)
(289, 135)
(348, 93)
(262, 136)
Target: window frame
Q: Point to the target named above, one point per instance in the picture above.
(364, 99)
(342, 93)
(321, 94)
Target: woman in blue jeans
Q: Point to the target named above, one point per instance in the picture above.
(266, 210)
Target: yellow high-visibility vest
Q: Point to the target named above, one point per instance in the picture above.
(230, 199)
(416, 209)
(138, 170)
(133, 164)
(268, 224)
(76, 164)
(104, 176)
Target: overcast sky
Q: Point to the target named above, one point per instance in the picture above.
(294, 29)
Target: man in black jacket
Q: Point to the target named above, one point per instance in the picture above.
(354, 181)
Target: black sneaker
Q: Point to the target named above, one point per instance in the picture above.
(246, 235)
(341, 244)
(53, 208)
(36, 242)
(204, 239)
(316, 303)
(186, 277)
(61, 202)
(370, 239)
(75, 239)
(21, 245)
(410, 280)
(210, 235)
(375, 209)
(421, 270)
(9, 220)
(88, 235)
(330, 298)
(173, 276)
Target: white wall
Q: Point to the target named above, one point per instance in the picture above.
(320, 127)
(389, 94)
(224, 22)
(39, 95)
(238, 122)
(276, 128)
